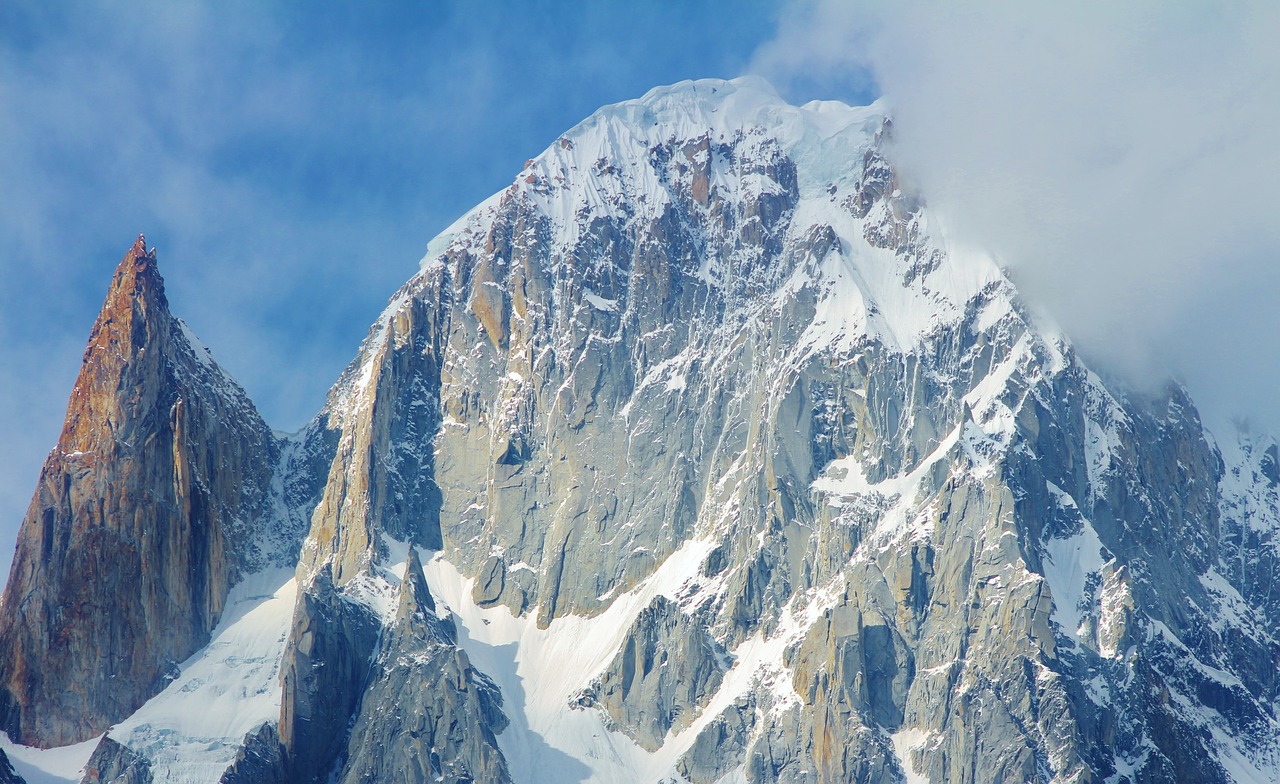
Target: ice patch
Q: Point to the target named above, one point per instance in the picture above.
(1068, 563)
(49, 766)
(192, 730)
(897, 498)
(600, 303)
(905, 741)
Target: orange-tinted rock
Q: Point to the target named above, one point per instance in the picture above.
(140, 523)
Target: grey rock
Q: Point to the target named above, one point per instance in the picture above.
(259, 761)
(427, 714)
(7, 774)
(721, 747)
(112, 763)
(669, 665)
(323, 675)
(491, 583)
(383, 478)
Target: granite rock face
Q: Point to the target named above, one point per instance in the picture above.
(427, 714)
(155, 501)
(112, 763)
(259, 761)
(732, 466)
(325, 670)
(668, 666)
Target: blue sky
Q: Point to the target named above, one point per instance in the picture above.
(289, 161)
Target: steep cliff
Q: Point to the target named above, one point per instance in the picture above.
(427, 714)
(702, 454)
(156, 500)
(930, 541)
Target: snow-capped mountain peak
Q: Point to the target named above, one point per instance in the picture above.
(701, 454)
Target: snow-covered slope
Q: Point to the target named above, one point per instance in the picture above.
(48, 766)
(192, 730)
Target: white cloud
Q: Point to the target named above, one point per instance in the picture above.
(1122, 158)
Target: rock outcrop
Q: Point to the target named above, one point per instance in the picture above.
(148, 510)
(112, 763)
(668, 667)
(7, 774)
(427, 714)
(259, 761)
(324, 673)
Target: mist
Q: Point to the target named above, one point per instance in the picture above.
(1121, 160)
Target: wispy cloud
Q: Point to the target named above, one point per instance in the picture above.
(1121, 158)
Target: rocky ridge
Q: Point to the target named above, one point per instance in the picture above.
(161, 494)
(724, 463)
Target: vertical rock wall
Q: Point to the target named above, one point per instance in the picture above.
(141, 522)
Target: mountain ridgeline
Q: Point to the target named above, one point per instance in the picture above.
(699, 454)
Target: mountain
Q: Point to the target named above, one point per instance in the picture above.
(699, 454)
(158, 498)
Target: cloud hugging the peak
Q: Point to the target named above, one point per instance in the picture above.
(1122, 159)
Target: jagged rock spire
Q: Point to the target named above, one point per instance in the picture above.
(416, 611)
(414, 594)
(124, 559)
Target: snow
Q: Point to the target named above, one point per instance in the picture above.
(841, 317)
(49, 766)
(1068, 562)
(379, 590)
(1127, 769)
(845, 483)
(721, 109)
(1238, 766)
(437, 246)
(863, 292)
(1241, 766)
(600, 303)
(192, 729)
(904, 742)
(675, 372)
(202, 354)
(604, 168)
(1103, 421)
(1248, 498)
(541, 671)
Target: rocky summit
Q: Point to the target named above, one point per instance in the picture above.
(699, 454)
